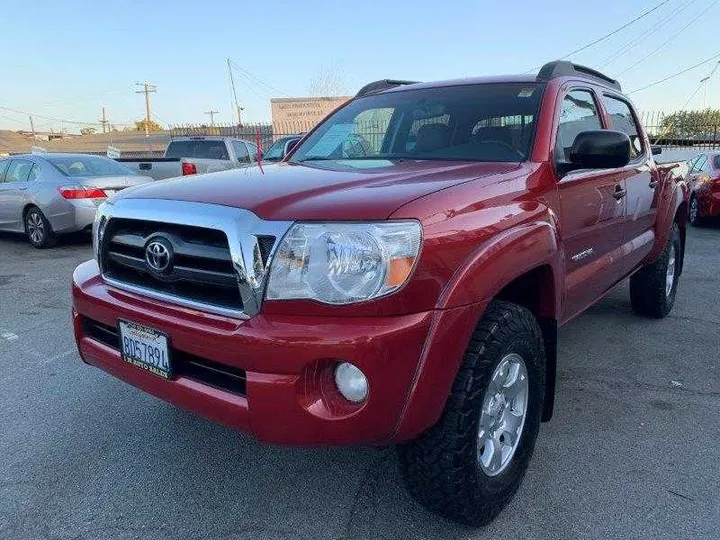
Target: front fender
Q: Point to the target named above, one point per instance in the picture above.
(488, 269)
(503, 258)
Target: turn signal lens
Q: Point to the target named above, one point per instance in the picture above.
(188, 168)
(80, 192)
(398, 271)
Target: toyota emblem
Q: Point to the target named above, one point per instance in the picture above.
(158, 255)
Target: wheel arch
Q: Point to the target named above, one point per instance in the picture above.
(535, 291)
(528, 273)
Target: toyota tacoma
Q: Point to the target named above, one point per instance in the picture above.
(398, 279)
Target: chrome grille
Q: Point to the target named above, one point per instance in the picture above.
(220, 254)
(202, 268)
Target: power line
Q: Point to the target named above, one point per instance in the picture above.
(610, 34)
(673, 37)
(237, 107)
(160, 119)
(51, 118)
(625, 49)
(675, 74)
(12, 119)
(260, 81)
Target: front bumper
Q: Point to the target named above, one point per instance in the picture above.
(286, 360)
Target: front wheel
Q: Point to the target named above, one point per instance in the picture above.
(470, 464)
(653, 288)
(38, 229)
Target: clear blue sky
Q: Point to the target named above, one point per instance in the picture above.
(66, 59)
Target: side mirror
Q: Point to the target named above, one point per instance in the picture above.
(656, 150)
(289, 146)
(600, 149)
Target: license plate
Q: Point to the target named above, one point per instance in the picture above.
(145, 348)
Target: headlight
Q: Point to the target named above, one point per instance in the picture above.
(98, 230)
(341, 263)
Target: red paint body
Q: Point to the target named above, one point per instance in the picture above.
(484, 226)
(705, 186)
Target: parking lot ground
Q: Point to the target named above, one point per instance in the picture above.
(632, 451)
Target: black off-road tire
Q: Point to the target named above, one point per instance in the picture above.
(648, 292)
(441, 468)
(35, 220)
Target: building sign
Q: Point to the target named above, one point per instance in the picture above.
(293, 115)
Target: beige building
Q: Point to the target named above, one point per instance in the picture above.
(294, 115)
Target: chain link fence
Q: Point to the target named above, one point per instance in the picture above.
(681, 133)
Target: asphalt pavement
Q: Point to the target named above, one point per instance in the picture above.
(632, 452)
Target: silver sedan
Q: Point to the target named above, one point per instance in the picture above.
(44, 195)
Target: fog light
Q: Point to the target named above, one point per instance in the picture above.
(351, 382)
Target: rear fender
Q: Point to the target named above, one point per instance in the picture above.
(675, 193)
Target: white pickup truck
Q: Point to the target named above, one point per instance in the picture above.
(196, 155)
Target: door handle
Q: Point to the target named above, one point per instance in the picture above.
(619, 192)
(22, 189)
(653, 184)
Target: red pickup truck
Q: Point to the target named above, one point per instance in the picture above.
(399, 278)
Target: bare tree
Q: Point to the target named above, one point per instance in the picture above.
(329, 81)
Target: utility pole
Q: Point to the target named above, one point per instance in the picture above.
(147, 90)
(32, 128)
(212, 117)
(240, 110)
(234, 93)
(104, 121)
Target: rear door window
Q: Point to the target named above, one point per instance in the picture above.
(18, 171)
(578, 113)
(3, 167)
(198, 149)
(34, 173)
(623, 119)
(716, 162)
(241, 152)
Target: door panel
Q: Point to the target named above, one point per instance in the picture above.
(592, 236)
(12, 193)
(643, 189)
(593, 209)
(641, 181)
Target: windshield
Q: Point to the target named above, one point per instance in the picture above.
(275, 152)
(199, 149)
(480, 122)
(89, 166)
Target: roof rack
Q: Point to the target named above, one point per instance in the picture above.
(562, 68)
(379, 86)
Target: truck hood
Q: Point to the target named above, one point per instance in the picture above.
(327, 190)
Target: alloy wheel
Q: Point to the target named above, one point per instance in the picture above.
(503, 415)
(35, 227)
(670, 273)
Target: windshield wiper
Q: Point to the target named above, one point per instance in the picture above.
(315, 158)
